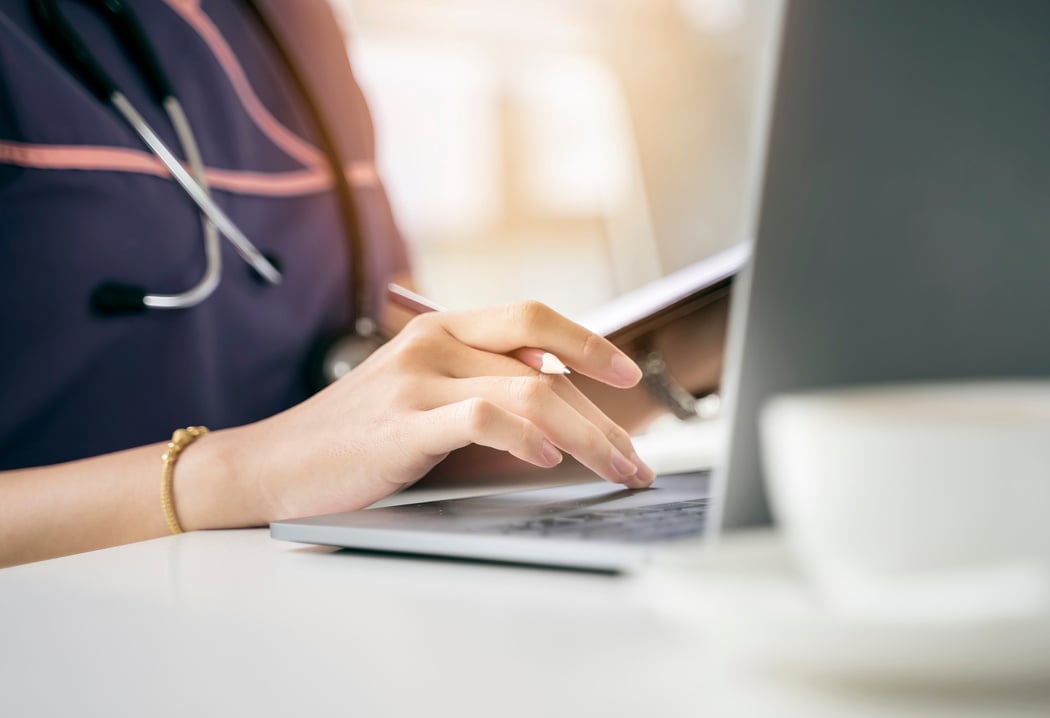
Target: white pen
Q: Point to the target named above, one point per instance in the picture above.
(418, 304)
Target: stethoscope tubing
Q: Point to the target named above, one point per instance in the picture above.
(213, 256)
(330, 358)
(85, 67)
(200, 196)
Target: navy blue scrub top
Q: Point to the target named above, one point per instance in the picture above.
(82, 202)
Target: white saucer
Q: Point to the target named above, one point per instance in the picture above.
(756, 607)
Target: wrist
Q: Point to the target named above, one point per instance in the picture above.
(210, 490)
(661, 384)
(692, 348)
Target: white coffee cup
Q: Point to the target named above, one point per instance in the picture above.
(921, 500)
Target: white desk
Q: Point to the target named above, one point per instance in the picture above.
(233, 623)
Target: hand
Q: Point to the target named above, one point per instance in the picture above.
(446, 381)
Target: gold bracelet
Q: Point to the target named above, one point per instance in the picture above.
(179, 441)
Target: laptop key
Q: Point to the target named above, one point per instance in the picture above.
(646, 523)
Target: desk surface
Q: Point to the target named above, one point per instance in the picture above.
(234, 623)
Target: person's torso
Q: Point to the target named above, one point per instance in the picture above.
(83, 202)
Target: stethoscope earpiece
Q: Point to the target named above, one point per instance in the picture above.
(112, 298)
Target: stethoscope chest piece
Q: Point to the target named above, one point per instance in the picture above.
(343, 353)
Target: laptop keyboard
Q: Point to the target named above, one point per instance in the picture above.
(636, 525)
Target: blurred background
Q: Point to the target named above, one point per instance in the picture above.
(564, 150)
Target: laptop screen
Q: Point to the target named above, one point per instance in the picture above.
(903, 230)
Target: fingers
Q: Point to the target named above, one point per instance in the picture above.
(465, 362)
(481, 380)
(479, 363)
(509, 328)
(564, 416)
(479, 421)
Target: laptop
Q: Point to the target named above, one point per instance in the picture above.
(903, 235)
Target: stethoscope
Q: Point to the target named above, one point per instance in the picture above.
(337, 355)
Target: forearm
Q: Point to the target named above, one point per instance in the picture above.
(80, 506)
(447, 381)
(111, 500)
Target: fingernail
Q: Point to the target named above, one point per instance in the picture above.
(550, 454)
(645, 472)
(621, 465)
(625, 369)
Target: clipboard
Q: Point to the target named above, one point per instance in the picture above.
(661, 301)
